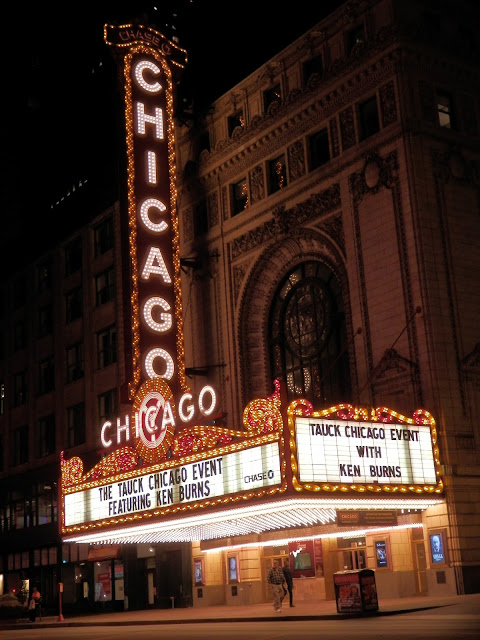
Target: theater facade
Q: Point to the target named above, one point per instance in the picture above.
(285, 354)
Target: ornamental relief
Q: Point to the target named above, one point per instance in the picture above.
(257, 184)
(213, 209)
(388, 104)
(285, 220)
(296, 161)
(329, 103)
(452, 166)
(377, 173)
(239, 272)
(333, 227)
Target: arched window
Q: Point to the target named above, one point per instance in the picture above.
(308, 337)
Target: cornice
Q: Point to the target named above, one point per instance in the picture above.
(338, 86)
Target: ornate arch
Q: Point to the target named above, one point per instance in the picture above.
(256, 297)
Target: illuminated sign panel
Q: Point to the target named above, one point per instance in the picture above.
(349, 452)
(245, 470)
(156, 311)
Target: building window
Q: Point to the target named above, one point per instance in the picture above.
(46, 436)
(355, 38)
(44, 276)
(2, 398)
(73, 304)
(19, 451)
(46, 503)
(307, 335)
(46, 376)
(103, 237)
(19, 389)
(237, 120)
(19, 336)
(104, 286)
(73, 256)
(107, 347)
(368, 118)
(45, 321)
(107, 406)
(319, 149)
(444, 109)
(19, 291)
(277, 174)
(76, 425)
(271, 96)
(312, 66)
(239, 196)
(75, 366)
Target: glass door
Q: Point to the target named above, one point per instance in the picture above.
(352, 559)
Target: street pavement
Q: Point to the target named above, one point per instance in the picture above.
(322, 610)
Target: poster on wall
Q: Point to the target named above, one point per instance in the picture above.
(317, 547)
(302, 556)
(198, 571)
(437, 549)
(233, 573)
(381, 554)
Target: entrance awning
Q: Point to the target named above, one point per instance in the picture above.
(272, 516)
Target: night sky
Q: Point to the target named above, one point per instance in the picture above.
(61, 94)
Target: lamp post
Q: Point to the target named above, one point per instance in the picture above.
(60, 591)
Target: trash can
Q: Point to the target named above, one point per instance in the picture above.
(355, 591)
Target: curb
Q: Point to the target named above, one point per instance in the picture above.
(290, 618)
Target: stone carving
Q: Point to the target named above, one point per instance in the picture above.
(283, 220)
(296, 161)
(334, 228)
(257, 184)
(388, 105)
(347, 128)
(334, 140)
(212, 209)
(377, 173)
(239, 272)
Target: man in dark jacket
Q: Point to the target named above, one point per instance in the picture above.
(289, 580)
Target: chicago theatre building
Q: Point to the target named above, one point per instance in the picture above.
(270, 347)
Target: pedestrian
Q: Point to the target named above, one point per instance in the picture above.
(34, 602)
(276, 580)
(287, 573)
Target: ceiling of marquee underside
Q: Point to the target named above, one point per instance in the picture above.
(252, 519)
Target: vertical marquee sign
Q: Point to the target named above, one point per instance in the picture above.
(156, 311)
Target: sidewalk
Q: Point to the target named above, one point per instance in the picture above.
(323, 610)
